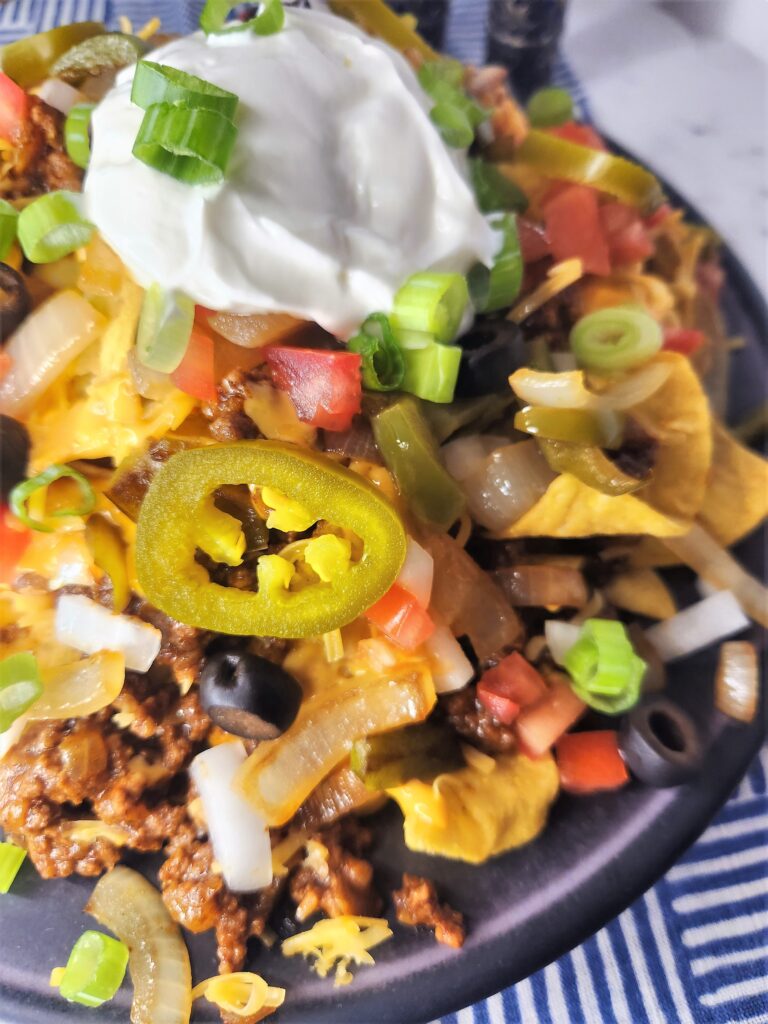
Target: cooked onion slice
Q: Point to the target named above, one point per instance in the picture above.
(568, 390)
(542, 586)
(737, 683)
(720, 569)
(701, 625)
(129, 906)
(90, 627)
(80, 688)
(339, 794)
(239, 836)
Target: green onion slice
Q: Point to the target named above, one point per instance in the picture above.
(11, 859)
(383, 365)
(434, 75)
(191, 145)
(51, 227)
(269, 20)
(605, 671)
(431, 372)
(9, 219)
(158, 83)
(495, 191)
(20, 687)
(618, 338)
(431, 303)
(22, 492)
(453, 124)
(550, 107)
(95, 969)
(165, 327)
(76, 133)
(497, 287)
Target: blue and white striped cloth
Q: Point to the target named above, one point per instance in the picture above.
(694, 949)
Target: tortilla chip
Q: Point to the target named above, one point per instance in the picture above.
(736, 500)
(678, 416)
(570, 508)
(643, 592)
(469, 815)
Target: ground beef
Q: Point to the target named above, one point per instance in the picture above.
(182, 646)
(471, 720)
(637, 455)
(227, 416)
(417, 904)
(334, 878)
(40, 162)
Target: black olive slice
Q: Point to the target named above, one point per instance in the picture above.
(660, 743)
(247, 695)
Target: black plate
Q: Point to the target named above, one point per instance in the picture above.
(523, 910)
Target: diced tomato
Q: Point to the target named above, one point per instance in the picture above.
(574, 229)
(324, 386)
(202, 313)
(400, 616)
(581, 134)
(195, 374)
(511, 685)
(14, 106)
(14, 540)
(685, 340)
(5, 363)
(590, 761)
(534, 243)
(628, 239)
(538, 726)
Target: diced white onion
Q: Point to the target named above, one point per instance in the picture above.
(699, 626)
(417, 572)
(89, 627)
(737, 684)
(466, 455)
(704, 588)
(44, 345)
(12, 735)
(59, 95)
(238, 834)
(561, 636)
(451, 668)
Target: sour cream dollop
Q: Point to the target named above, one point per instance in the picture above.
(339, 188)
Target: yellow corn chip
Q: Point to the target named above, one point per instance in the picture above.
(736, 500)
(643, 592)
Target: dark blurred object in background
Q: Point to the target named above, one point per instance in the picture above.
(431, 17)
(524, 36)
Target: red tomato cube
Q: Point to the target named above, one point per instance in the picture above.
(590, 761)
(324, 386)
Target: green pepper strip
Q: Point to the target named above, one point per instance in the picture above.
(590, 465)
(106, 544)
(165, 540)
(579, 426)
(558, 158)
(420, 751)
(28, 61)
(376, 18)
(408, 448)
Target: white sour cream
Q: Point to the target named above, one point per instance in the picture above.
(339, 188)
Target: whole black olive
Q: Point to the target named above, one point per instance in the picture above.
(660, 743)
(14, 300)
(491, 351)
(14, 454)
(247, 695)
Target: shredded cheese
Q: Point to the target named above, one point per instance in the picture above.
(333, 646)
(148, 30)
(559, 277)
(87, 831)
(337, 942)
(285, 851)
(242, 994)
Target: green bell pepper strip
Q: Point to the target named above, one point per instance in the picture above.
(420, 751)
(480, 412)
(28, 61)
(568, 161)
(590, 465)
(408, 448)
(577, 425)
(166, 540)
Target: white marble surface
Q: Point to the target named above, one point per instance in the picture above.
(683, 84)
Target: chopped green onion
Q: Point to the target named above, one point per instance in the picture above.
(605, 671)
(618, 338)
(269, 20)
(497, 288)
(76, 133)
(431, 372)
(454, 114)
(9, 219)
(95, 969)
(157, 83)
(494, 190)
(431, 303)
(51, 227)
(550, 107)
(433, 75)
(191, 145)
(11, 859)
(383, 365)
(453, 124)
(22, 492)
(165, 327)
(20, 687)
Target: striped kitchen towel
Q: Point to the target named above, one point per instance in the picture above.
(694, 949)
